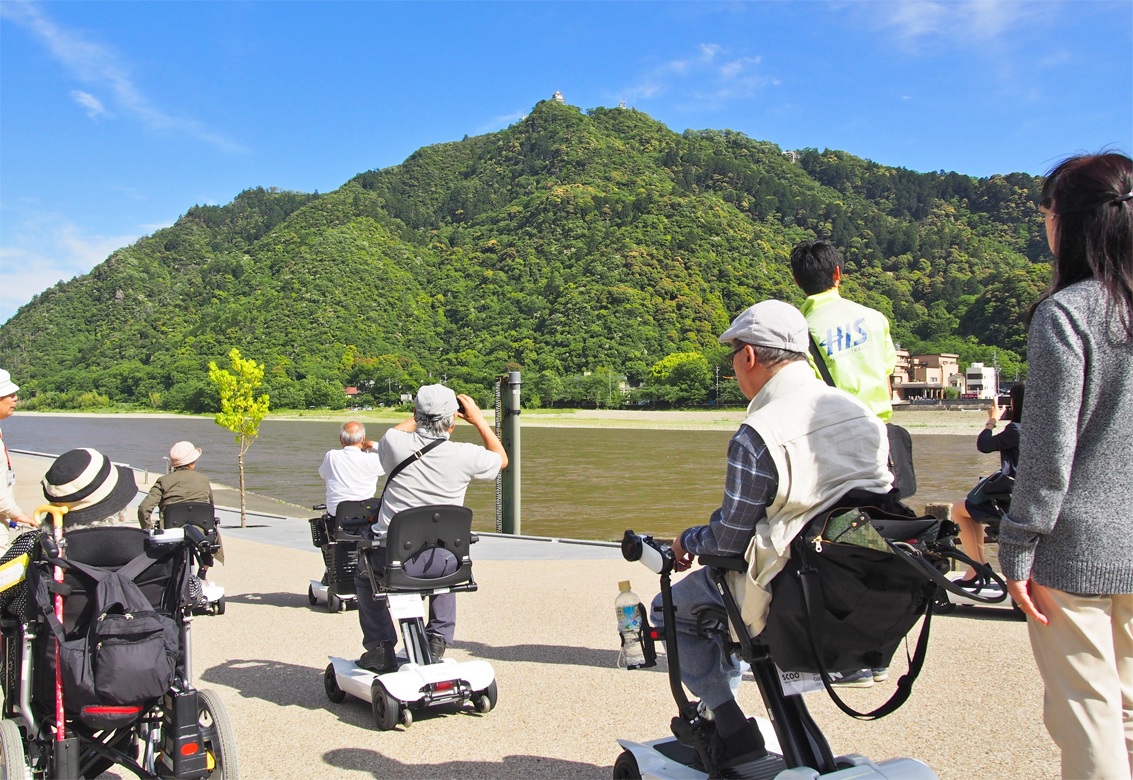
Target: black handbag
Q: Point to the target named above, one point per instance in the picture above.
(857, 582)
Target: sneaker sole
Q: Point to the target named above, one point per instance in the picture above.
(868, 683)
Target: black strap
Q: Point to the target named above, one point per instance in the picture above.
(401, 466)
(814, 603)
(928, 570)
(820, 362)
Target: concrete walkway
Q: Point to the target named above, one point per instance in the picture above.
(543, 617)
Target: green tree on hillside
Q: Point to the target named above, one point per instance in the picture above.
(240, 411)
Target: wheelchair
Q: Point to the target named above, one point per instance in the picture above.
(200, 514)
(340, 552)
(185, 733)
(796, 746)
(420, 681)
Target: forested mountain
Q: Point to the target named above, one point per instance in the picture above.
(570, 242)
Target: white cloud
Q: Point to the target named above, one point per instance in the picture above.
(712, 78)
(43, 248)
(93, 63)
(88, 101)
(503, 120)
(921, 22)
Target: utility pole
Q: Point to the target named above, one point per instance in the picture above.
(717, 385)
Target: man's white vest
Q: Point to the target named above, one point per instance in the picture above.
(824, 443)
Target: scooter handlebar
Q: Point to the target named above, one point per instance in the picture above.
(652, 554)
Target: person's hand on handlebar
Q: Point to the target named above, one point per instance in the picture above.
(682, 560)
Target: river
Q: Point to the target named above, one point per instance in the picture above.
(577, 482)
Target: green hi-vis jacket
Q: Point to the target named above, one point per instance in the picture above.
(854, 341)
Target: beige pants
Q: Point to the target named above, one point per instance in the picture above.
(1085, 657)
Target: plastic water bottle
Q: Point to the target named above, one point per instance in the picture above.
(627, 606)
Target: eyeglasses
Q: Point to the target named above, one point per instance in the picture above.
(737, 349)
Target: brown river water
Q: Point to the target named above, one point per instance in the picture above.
(577, 482)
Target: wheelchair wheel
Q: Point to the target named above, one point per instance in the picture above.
(625, 768)
(311, 595)
(387, 710)
(220, 739)
(485, 700)
(12, 762)
(330, 685)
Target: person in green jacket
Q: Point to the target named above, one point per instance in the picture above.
(854, 343)
(179, 485)
(853, 340)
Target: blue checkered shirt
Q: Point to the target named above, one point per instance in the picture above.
(749, 488)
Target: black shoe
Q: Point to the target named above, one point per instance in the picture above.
(743, 747)
(381, 660)
(436, 648)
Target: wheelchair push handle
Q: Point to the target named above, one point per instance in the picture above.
(652, 554)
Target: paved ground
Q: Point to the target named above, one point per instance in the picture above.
(544, 620)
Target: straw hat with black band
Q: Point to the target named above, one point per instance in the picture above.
(89, 485)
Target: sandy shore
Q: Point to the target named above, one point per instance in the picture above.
(920, 421)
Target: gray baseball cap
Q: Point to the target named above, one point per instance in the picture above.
(770, 324)
(436, 401)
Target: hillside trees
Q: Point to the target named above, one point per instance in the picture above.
(567, 243)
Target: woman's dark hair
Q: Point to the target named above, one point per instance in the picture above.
(1093, 198)
(1017, 402)
(813, 264)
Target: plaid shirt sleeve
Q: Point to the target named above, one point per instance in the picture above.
(750, 487)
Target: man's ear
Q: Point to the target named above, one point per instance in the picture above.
(837, 275)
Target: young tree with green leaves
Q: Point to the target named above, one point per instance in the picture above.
(240, 411)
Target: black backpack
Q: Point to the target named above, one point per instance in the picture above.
(128, 654)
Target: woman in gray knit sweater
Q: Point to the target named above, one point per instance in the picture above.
(1067, 545)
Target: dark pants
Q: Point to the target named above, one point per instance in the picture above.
(377, 625)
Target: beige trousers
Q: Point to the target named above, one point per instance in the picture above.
(1085, 657)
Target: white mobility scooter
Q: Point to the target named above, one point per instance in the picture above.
(420, 681)
(797, 749)
(196, 520)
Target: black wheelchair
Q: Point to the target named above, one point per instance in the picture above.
(184, 733)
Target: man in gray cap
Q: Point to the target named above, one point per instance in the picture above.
(439, 476)
(802, 447)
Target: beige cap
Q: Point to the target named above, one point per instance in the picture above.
(183, 453)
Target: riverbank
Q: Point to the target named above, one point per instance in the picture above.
(924, 421)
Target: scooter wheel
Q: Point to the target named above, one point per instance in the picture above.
(334, 603)
(625, 768)
(330, 685)
(220, 606)
(386, 708)
(941, 605)
(311, 595)
(485, 701)
(406, 717)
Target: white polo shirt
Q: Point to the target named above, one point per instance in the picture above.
(351, 475)
(441, 476)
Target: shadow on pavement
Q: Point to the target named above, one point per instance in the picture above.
(275, 600)
(287, 685)
(361, 759)
(548, 654)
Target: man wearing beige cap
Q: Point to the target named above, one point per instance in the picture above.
(802, 447)
(440, 475)
(182, 484)
(10, 512)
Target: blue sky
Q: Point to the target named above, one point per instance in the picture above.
(115, 118)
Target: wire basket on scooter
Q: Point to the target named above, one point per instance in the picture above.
(319, 536)
(341, 560)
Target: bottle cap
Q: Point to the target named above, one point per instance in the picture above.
(624, 585)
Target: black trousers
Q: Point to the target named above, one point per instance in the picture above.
(374, 617)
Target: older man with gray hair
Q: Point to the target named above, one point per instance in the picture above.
(351, 473)
(439, 476)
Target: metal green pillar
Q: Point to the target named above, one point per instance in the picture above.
(510, 477)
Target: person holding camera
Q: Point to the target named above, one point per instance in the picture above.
(980, 505)
(440, 475)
